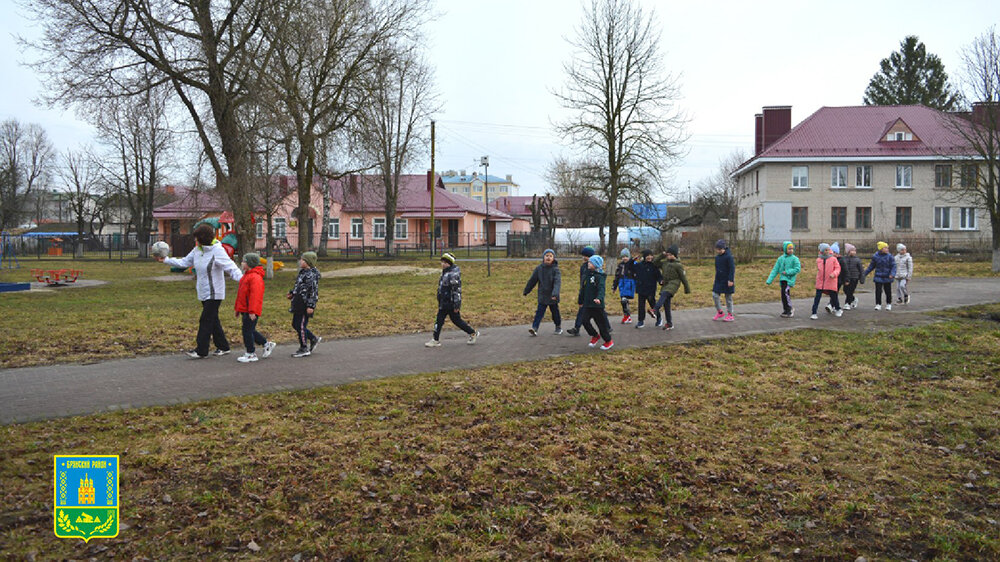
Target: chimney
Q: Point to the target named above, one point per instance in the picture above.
(983, 112)
(169, 189)
(758, 133)
(510, 179)
(777, 121)
(352, 183)
(463, 173)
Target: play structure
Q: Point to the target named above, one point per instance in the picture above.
(56, 277)
(8, 260)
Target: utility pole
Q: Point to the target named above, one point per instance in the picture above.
(485, 163)
(433, 182)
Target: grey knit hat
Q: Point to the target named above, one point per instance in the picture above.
(251, 259)
(310, 258)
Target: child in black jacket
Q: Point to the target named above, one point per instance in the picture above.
(304, 296)
(647, 279)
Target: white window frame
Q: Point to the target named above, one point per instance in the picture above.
(800, 180)
(838, 177)
(331, 232)
(259, 229)
(859, 177)
(378, 228)
(942, 218)
(904, 174)
(280, 228)
(357, 227)
(405, 231)
(967, 218)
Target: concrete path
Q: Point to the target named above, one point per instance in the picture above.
(37, 393)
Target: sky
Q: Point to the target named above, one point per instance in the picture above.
(496, 64)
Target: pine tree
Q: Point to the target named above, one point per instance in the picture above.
(912, 76)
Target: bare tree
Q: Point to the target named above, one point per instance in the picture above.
(575, 184)
(25, 156)
(718, 195)
(980, 130)
(624, 104)
(390, 128)
(80, 177)
(209, 52)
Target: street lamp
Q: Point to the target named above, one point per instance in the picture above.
(485, 163)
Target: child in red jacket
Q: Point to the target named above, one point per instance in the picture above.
(250, 303)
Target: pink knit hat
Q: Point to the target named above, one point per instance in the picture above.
(849, 248)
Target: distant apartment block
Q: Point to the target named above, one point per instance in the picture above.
(475, 185)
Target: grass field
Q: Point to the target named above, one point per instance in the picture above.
(818, 445)
(134, 315)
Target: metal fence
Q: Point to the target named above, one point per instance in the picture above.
(89, 246)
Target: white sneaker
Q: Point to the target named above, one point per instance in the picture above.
(888, 307)
(838, 313)
(268, 348)
(433, 343)
(473, 338)
(814, 317)
(247, 358)
(846, 307)
(829, 309)
(878, 307)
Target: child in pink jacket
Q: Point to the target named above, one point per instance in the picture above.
(827, 274)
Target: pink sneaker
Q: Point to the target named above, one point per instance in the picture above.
(728, 318)
(718, 315)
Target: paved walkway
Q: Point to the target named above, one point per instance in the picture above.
(36, 393)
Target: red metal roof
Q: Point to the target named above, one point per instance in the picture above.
(369, 195)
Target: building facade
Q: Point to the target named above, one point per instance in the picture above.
(894, 173)
(474, 185)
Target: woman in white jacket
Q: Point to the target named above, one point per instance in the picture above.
(211, 263)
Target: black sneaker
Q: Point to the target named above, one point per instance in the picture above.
(221, 352)
(533, 331)
(315, 341)
(558, 331)
(302, 352)
(194, 354)
(573, 331)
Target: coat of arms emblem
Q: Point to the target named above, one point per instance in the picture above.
(85, 496)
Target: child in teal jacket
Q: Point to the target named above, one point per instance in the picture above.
(787, 268)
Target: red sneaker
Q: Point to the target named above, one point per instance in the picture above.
(607, 345)
(593, 341)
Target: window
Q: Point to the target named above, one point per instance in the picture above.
(333, 229)
(864, 176)
(942, 175)
(863, 218)
(970, 175)
(402, 230)
(357, 228)
(904, 177)
(904, 218)
(478, 197)
(280, 228)
(838, 176)
(800, 218)
(838, 217)
(378, 228)
(800, 176)
(899, 136)
(942, 218)
(967, 218)
(259, 228)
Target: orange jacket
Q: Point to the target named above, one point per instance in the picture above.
(250, 294)
(827, 272)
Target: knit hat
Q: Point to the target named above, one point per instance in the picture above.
(251, 259)
(672, 250)
(310, 258)
(587, 251)
(881, 245)
(835, 247)
(849, 248)
(823, 247)
(647, 252)
(900, 247)
(625, 253)
(721, 244)
(598, 262)
(549, 251)
(448, 258)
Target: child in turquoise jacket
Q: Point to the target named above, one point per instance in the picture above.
(787, 266)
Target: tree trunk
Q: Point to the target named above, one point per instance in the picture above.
(996, 246)
(324, 231)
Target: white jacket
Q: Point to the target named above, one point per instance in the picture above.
(211, 264)
(904, 266)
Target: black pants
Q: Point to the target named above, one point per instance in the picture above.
(625, 310)
(643, 301)
(250, 333)
(883, 288)
(540, 313)
(664, 303)
(210, 329)
(834, 299)
(786, 297)
(456, 318)
(578, 323)
(300, 323)
(600, 318)
(849, 289)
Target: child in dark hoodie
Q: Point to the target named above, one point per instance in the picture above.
(851, 271)
(725, 281)
(304, 296)
(647, 278)
(592, 303)
(549, 282)
(587, 252)
(449, 296)
(250, 303)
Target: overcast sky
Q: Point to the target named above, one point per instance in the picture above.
(497, 62)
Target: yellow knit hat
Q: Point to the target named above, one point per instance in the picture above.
(881, 245)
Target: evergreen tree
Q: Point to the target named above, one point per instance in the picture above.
(912, 76)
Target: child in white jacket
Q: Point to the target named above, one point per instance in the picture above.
(904, 272)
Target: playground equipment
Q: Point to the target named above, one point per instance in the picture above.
(8, 252)
(56, 277)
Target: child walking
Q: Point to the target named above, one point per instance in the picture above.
(904, 272)
(725, 275)
(549, 282)
(885, 271)
(250, 303)
(624, 283)
(647, 277)
(842, 278)
(827, 274)
(672, 275)
(786, 269)
(587, 252)
(852, 271)
(304, 296)
(592, 301)
(449, 295)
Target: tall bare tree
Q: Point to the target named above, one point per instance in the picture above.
(210, 53)
(391, 128)
(980, 129)
(718, 195)
(575, 183)
(80, 180)
(624, 104)
(25, 157)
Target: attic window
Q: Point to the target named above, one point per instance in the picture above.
(899, 136)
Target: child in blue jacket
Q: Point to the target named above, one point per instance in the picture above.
(885, 271)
